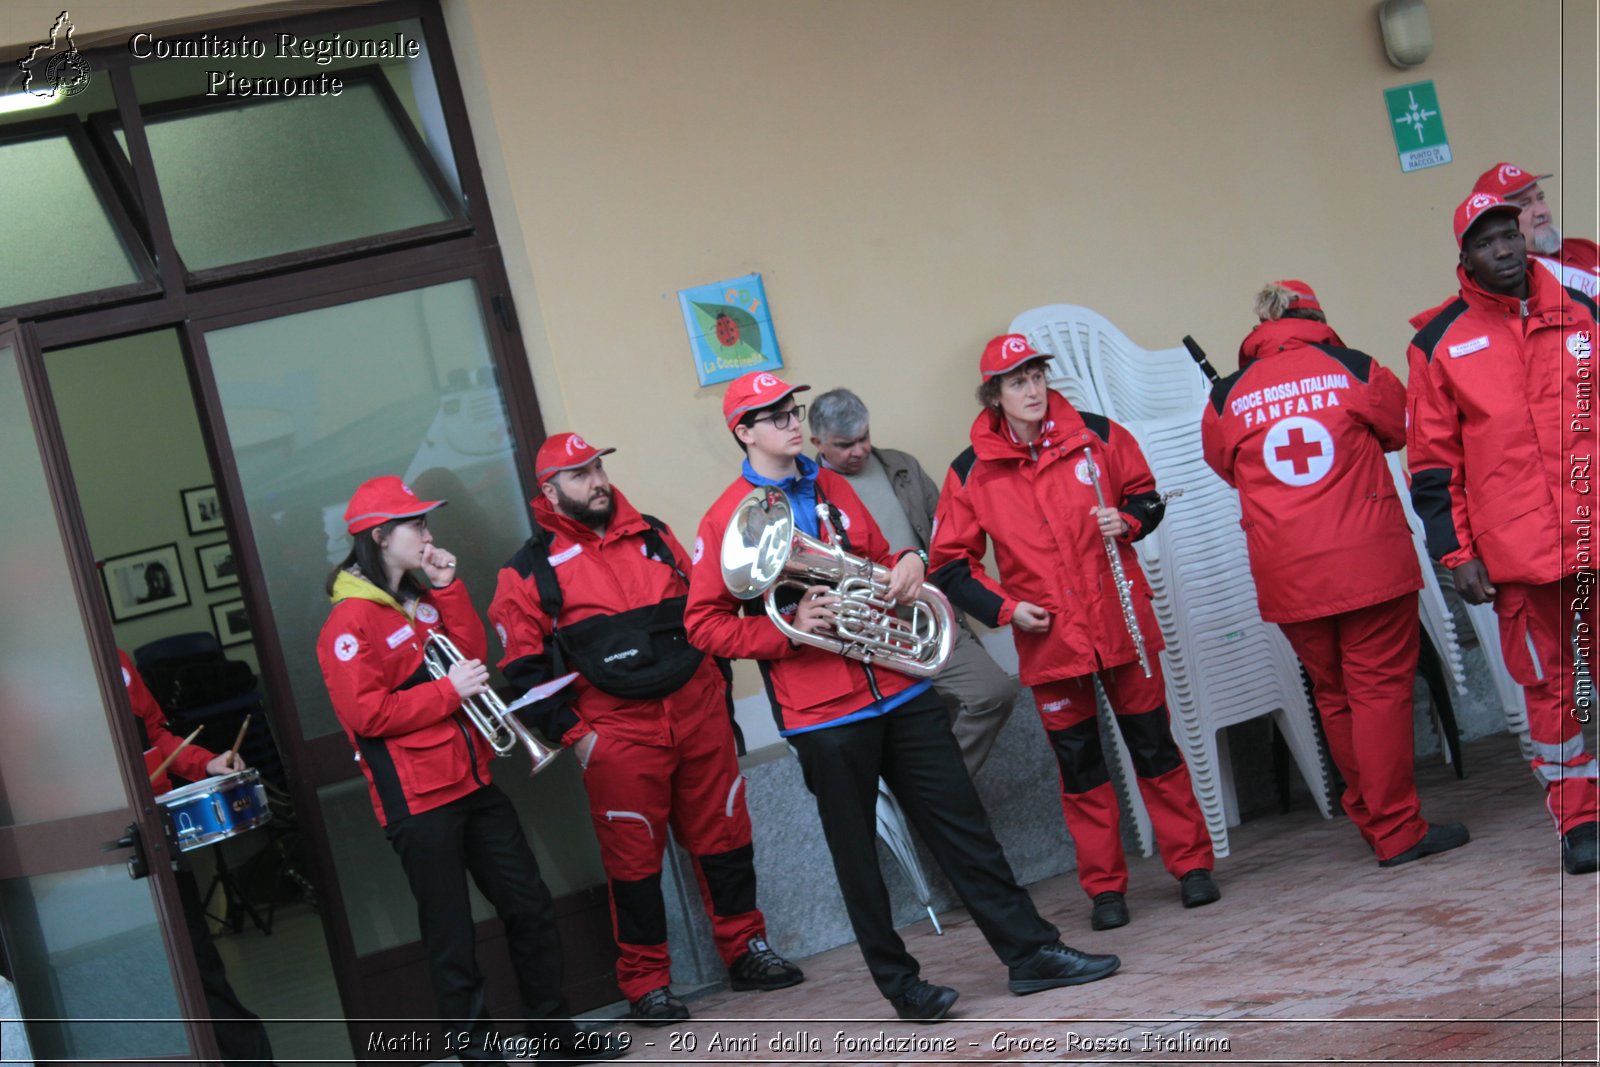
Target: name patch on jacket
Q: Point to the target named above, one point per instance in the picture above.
(1311, 393)
(561, 557)
(400, 636)
(1466, 348)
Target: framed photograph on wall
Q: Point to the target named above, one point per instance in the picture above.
(202, 510)
(231, 622)
(144, 582)
(217, 569)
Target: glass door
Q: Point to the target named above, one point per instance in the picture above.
(307, 405)
(94, 973)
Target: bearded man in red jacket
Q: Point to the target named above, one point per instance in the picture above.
(1300, 430)
(649, 720)
(1500, 402)
(1572, 261)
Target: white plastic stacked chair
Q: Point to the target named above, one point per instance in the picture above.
(1223, 664)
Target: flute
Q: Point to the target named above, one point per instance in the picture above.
(1118, 572)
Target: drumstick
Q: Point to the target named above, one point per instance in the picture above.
(237, 741)
(159, 771)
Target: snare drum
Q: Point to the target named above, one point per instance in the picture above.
(216, 809)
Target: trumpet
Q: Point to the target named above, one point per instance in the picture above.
(499, 726)
(1119, 574)
(762, 552)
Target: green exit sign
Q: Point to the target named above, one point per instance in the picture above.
(1418, 128)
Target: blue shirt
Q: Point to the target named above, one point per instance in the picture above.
(801, 491)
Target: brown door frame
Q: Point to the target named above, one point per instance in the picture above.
(76, 843)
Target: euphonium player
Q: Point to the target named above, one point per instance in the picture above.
(1026, 484)
(850, 723)
(427, 767)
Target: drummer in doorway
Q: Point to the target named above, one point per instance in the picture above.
(427, 768)
(851, 723)
(241, 1037)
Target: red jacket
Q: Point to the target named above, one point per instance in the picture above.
(1497, 418)
(415, 750)
(1033, 502)
(1577, 265)
(1300, 430)
(159, 741)
(809, 686)
(604, 576)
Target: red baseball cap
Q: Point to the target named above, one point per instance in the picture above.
(1504, 179)
(754, 391)
(1304, 299)
(564, 452)
(1476, 207)
(383, 498)
(1005, 353)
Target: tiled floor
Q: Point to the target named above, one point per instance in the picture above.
(1484, 955)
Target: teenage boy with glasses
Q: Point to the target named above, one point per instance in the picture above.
(851, 723)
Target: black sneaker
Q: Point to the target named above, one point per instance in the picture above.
(924, 1002)
(1441, 837)
(657, 1008)
(1580, 849)
(1057, 965)
(1109, 912)
(762, 968)
(1196, 889)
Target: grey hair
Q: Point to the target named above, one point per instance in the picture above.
(1272, 301)
(838, 413)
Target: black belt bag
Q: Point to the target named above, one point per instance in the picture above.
(639, 654)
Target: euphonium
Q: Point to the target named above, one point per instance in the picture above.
(762, 552)
(500, 727)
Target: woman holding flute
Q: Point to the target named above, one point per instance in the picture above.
(1063, 495)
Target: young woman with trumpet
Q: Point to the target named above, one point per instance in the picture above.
(1071, 588)
(427, 767)
(851, 722)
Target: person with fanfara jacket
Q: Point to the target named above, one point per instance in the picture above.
(1300, 430)
(851, 722)
(1500, 432)
(427, 767)
(1027, 483)
(241, 1036)
(600, 589)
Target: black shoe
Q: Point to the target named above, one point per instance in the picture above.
(1109, 912)
(924, 1002)
(1057, 965)
(1441, 837)
(762, 968)
(1580, 849)
(657, 1008)
(1196, 889)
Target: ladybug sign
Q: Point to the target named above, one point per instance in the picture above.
(730, 329)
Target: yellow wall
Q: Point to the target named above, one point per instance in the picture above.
(908, 175)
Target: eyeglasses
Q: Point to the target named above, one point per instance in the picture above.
(782, 420)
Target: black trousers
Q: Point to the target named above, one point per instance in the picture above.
(241, 1037)
(913, 750)
(479, 834)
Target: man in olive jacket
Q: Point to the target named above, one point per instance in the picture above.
(902, 500)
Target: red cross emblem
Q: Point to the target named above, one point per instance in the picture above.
(1298, 450)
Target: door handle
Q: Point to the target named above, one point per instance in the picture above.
(138, 863)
